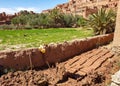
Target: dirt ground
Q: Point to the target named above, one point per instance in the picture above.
(92, 68)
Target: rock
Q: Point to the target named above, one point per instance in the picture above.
(116, 50)
(113, 84)
(116, 79)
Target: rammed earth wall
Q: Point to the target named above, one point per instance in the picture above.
(21, 59)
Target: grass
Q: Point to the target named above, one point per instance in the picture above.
(35, 37)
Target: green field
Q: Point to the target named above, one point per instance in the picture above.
(12, 39)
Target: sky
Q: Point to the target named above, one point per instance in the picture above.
(13, 6)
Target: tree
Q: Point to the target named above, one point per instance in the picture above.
(103, 21)
(81, 22)
(116, 40)
(56, 15)
(68, 20)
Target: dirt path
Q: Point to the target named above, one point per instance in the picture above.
(91, 68)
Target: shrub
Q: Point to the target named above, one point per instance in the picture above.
(48, 20)
(103, 21)
(57, 18)
(68, 20)
(81, 22)
(7, 27)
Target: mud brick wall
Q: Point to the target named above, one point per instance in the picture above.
(80, 7)
(21, 59)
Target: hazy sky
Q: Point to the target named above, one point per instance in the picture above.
(12, 6)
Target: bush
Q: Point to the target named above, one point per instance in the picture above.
(21, 20)
(7, 27)
(56, 17)
(81, 22)
(48, 20)
(68, 20)
(103, 21)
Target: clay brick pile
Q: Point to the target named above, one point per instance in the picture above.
(86, 62)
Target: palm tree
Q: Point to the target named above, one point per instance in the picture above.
(116, 40)
(103, 21)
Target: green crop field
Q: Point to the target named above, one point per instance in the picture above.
(13, 39)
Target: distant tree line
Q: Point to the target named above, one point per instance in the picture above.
(102, 21)
(47, 20)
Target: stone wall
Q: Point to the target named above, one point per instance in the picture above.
(21, 59)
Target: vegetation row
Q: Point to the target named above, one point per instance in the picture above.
(102, 21)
